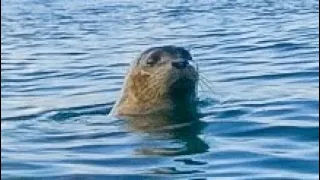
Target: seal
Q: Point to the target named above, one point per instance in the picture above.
(162, 80)
(158, 97)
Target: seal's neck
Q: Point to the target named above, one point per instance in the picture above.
(182, 104)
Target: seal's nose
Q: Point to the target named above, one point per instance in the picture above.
(180, 63)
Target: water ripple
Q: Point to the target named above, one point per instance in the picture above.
(63, 65)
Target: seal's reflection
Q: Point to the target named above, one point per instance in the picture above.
(181, 131)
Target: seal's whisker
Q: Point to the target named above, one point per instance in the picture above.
(205, 79)
(200, 85)
(206, 84)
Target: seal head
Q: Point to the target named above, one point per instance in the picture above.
(160, 80)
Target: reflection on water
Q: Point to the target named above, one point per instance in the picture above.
(184, 136)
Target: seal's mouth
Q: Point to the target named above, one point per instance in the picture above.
(183, 83)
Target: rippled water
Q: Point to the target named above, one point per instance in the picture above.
(63, 64)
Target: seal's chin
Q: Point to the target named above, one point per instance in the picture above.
(182, 87)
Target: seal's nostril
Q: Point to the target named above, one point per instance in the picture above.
(180, 64)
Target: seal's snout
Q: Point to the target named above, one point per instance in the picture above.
(180, 63)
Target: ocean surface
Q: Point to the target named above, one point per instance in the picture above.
(63, 63)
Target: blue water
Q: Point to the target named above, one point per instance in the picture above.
(63, 64)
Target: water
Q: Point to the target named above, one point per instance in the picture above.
(63, 64)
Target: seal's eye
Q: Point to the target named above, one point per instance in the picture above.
(153, 59)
